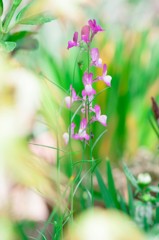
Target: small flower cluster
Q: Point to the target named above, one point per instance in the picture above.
(91, 113)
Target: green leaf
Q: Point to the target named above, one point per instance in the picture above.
(157, 211)
(130, 177)
(19, 36)
(24, 40)
(131, 200)
(123, 205)
(154, 189)
(38, 19)
(8, 46)
(28, 44)
(108, 201)
(111, 184)
(23, 12)
(1, 7)
(17, 2)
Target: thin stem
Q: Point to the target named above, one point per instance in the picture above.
(74, 69)
(90, 141)
(9, 18)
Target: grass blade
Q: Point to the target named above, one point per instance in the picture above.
(111, 184)
(131, 200)
(130, 177)
(107, 198)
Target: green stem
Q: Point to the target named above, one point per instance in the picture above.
(10, 15)
(90, 141)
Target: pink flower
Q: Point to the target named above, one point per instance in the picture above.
(70, 100)
(66, 134)
(73, 43)
(94, 27)
(85, 34)
(87, 81)
(81, 135)
(106, 78)
(100, 118)
(96, 61)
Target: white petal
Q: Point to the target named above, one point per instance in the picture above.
(66, 138)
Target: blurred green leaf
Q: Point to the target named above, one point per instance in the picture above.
(111, 184)
(19, 35)
(130, 177)
(123, 205)
(17, 2)
(24, 40)
(130, 200)
(157, 211)
(38, 19)
(1, 7)
(8, 46)
(154, 189)
(107, 198)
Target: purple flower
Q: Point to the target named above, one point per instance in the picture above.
(96, 61)
(66, 134)
(85, 34)
(81, 135)
(94, 27)
(73, 43)
(106, 78)
(100, 118)
(70, 100)
(87, 81)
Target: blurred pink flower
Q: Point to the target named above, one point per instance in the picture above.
(71, 99)
(66, 134)
(96, 61)
(85, 34)
(45, 139)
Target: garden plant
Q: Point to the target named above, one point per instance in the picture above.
(57, 181)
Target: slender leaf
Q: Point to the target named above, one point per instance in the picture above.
(97, 140)
(19, 36)
(157, 211)
(108, 201)
(130, 177)
(131, 200)
(123, 205)
(111, 184)
(1, 7)
(38, 19)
